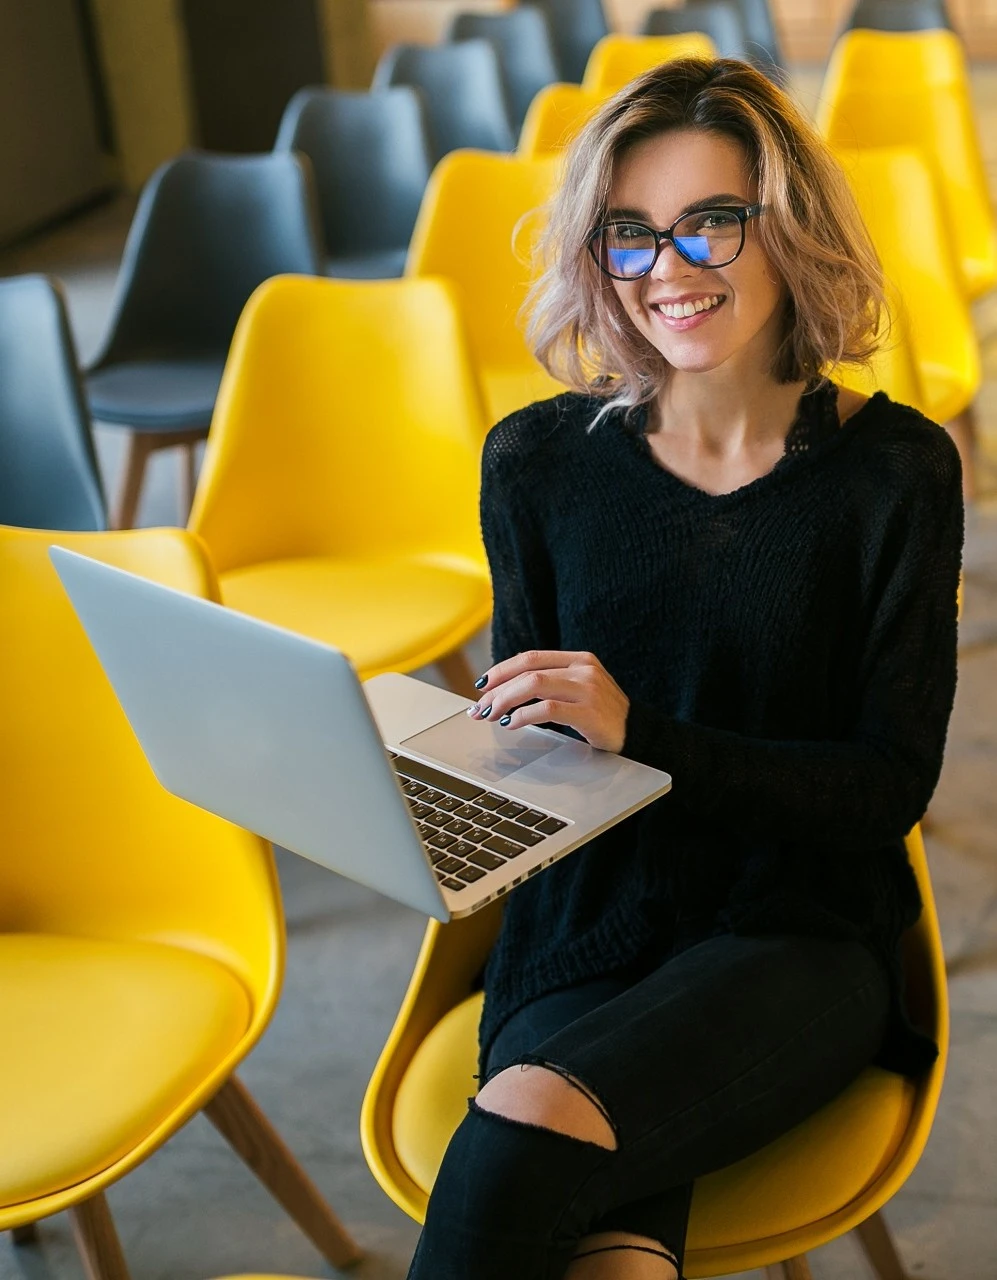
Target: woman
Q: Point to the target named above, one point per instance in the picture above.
(710, 559)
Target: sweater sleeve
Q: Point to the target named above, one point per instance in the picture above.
(874, 785)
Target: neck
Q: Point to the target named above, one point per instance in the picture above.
(726, 411)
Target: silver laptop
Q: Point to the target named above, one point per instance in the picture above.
(397, 789)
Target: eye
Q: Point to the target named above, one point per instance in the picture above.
(714, 220)
(624, 233)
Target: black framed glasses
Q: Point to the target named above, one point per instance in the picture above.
(627, 250)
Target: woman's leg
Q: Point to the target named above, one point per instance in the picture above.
(709, 1058)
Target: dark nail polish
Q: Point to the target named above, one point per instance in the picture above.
(505, 720)
(480, 682)
(486, 713)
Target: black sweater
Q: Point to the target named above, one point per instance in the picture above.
(789, 652)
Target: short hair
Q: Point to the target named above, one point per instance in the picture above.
(812, 233)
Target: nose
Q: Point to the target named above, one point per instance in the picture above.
(670, 265)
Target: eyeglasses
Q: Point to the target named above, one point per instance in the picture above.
(710, 238)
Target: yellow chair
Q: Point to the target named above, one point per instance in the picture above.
(910, 89)
(141, 941)
(931, 359)
(828, 1176)
(557, 113)
(477, 225)
(618, 59)
(338, 496)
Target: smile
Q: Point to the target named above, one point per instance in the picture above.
(677, 310)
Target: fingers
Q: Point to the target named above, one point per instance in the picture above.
(530, 660)
(500, 699)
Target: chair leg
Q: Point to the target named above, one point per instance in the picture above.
(140, 446)
(791, 1269)
(28, 1234)
(874, 1237)
(188, 480)
(97, 1240)
(237, 1117)
(962, 429)
(456, 671)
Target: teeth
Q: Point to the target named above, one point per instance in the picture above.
(682, 309)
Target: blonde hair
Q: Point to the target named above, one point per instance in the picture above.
(812, 229)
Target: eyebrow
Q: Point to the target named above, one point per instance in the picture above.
(718, 201)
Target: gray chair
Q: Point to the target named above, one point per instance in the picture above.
(762, 40)
(522, 42)
(370, 154)
(899, 15)
(462, 92)
(718, 19)
(208, 229)
(48, 470)
(576, 27)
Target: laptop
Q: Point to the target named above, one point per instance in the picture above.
(388, 783)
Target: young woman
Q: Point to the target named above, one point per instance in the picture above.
(711, 559)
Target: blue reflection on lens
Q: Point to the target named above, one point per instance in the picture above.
(696, 248)
(629, 262)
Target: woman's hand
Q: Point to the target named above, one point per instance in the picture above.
(574, 689)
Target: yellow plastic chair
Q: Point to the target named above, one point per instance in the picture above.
(828, 1176)
(557, 113)
(618, 59)
(888, 88)
(141, 940)
(931, 359)
(477, 225)
(338, 496)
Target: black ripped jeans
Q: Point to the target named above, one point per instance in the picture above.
(719, 1051)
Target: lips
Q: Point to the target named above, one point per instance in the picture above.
(688, 307)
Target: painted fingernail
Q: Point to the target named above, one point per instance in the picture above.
(505, 720)
(481, 682)
(486, 713)
(473, 709)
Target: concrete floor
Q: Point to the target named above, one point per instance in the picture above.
(193, 1211)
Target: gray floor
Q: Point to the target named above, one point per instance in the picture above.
(192, 1210)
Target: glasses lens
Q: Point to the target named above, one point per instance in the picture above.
(709, 239)
(625, 250)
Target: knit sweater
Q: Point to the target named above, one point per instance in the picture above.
(789, 652)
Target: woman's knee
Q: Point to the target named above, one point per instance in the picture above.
(549, 1098)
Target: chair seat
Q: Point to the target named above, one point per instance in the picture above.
(379, 264)
(386, 613)
(105, 1040)
(156, 395)
(809, 1173)
(507, 390)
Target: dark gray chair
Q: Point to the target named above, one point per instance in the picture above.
(48, 470)
(718, 19)
(762, 40)
(522, 42)
(576, 27)
(899, 15)
(207, 231)
(370, 154)
(462, 92)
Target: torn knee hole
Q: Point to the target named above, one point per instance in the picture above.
(547, 1096)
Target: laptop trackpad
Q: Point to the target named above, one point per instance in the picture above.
(477, 747)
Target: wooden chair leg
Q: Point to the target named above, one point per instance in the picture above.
(28, 1234)
(874, 1237)
(962, 429)
(237, 1117)
(140, 446)
(456, 671)
(791, 1269)
(97, 1240)
(188, 480)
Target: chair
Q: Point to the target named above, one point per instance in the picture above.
(720, 20)
(910, 89)
(338, 496)
(49, 477)
(555, 116)
(141, 940)
(525, 52)
(899, 15)
(462, 90)
(616, 59)
(576, 27)
(763, 41)
(471, 230)
(828, 1176)
(207, 230)
(370, 154)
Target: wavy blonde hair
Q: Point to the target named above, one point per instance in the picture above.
(835, 310)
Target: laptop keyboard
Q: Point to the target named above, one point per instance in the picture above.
(466, 829)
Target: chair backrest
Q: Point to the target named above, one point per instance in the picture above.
(618, 59)
(555, 116)
(93, 845)
(462, 89)
(348, 421)
(525, 52)
(897, 89)
(763, 41)
(48, 474)
(899, 15)
(370, 154)
(718, 19)
(207, 230)
(576, 27)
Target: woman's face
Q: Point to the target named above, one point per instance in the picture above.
(655, 182)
